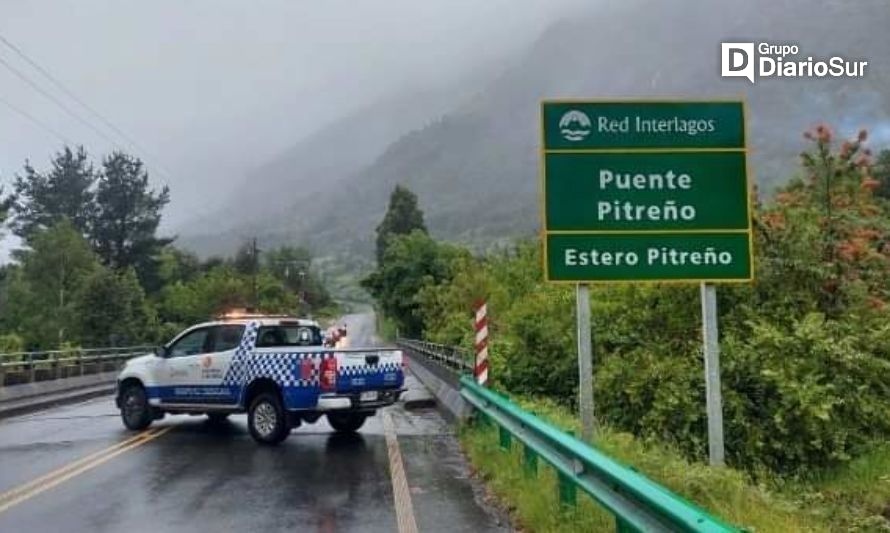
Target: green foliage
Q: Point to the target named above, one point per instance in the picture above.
(95, 273)
(293, 267)
(246, 260)
(881, 173)
(222, 289)
(811, 395)
(402, 217)
(854, 497)
(724, 492)
(805, 349)
(177, 265)
(42, 293)
(410, 263)
(112, 310)
(6, 204)
(65, 191)
(127, 215)
(11, 343)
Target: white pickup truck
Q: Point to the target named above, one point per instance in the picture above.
(274, 368)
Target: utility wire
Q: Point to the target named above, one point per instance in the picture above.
(61, 87)
(56, 101)
(37, 122)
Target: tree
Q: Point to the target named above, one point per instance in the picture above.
(402, 217)
(246, 260)
(409, 264)
(42, 292)
(293, 267)
(882, 174)
(111, 309)
(289, 264)
(177, 265)
(5, 205)
(222, 289)
(43, 199)
(127, 215)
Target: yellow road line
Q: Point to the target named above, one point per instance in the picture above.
(401, 494)
(47, 481)
(6, 495)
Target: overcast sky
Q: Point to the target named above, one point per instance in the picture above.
(211, 88)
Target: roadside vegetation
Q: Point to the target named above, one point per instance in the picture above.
(805, 349)
(92, 270)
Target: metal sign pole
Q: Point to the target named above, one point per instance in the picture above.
(585, 362)
(712, 374)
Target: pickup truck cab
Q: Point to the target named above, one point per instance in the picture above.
(273, 368)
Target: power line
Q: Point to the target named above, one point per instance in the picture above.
(56, 101)
(61, 87)
(37, 122)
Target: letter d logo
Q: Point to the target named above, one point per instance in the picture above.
(737, 60)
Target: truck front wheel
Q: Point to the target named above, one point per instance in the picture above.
(135, 411)
(346, 422)
(266, 419)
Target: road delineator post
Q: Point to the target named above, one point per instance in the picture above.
(481, 344)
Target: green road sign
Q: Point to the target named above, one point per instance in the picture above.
(661, 185)
(643, 124)
(649, 256)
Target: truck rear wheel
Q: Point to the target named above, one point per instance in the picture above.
(266, 419)
(135, 411)
(346, 422)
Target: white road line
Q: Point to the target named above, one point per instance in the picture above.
(401, 494)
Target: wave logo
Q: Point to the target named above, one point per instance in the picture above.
(574, 125)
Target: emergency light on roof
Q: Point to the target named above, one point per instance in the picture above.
(239, 314)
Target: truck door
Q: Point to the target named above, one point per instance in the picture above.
(224, 340)
(181, 373)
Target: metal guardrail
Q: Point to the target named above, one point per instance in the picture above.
(638, 503)
(455, 359)
(28, 367)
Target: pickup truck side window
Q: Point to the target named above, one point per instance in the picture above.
(227, 337)
(192, 343)
(288, 335)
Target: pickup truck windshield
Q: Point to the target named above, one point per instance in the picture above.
(288, 335)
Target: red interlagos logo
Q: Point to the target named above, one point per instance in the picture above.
(738, 60)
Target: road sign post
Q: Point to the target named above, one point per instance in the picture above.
(647, 191)
(585, 362)
(713, 396)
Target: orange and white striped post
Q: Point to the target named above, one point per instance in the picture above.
(481, 368)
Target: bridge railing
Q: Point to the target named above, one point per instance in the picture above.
(637, 503)
(455, 359)
(28, 367)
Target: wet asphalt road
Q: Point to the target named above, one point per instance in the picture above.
(186, 474)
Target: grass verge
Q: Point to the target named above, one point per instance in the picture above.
(533, 501)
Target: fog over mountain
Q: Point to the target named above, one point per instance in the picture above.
(212, 89)
(292, 121)
(475, 166)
